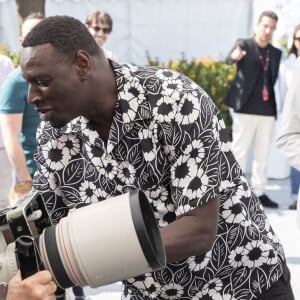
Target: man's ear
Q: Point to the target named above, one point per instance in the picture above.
(83, 64)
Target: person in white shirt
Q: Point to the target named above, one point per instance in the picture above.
(6, 66)
(100, 24)
(284, 81)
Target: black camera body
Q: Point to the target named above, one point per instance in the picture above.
(22, 224)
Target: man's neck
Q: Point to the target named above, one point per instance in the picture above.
(260, 43)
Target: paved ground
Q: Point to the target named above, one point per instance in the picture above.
(282, 220)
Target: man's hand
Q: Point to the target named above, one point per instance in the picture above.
(36, 287)
(19, 190)
(238, 53)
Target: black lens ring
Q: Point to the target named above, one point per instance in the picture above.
(147, 230)
(55, 261)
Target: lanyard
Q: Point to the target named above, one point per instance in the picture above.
(265, 61)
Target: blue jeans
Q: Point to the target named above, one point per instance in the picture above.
(295, 182)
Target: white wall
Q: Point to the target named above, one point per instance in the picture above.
(165, 28)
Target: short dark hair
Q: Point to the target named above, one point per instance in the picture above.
(268, 13)
(64, 33)
(99, 16)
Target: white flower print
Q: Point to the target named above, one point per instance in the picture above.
(235, 257)
(188, 111)
(172, 291)
(197, 263)
(197, 185)
(161, 193)
(214, 286)
(108, 167)
(56, 155)
(71, 142)
(126, 173)
(168, 89)
(183, 171)
(167, 75)
(195, 150)
(255, 254)
(182, 209)
(226, 184)
(89, 193)
(165, 109)
(147, 144)
(233, 210)
(53, 184)
(129, 100)
(91, 134)
(151, 288)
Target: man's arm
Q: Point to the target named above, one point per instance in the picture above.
(193, 233)
(11, 125)
(36, 287)
(236, 53)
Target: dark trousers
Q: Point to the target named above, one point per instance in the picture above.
(280, 290)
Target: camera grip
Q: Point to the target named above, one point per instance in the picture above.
(28, 257)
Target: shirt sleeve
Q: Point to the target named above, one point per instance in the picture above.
(13, 94)
(196, 152)
(288, 139)
(45, 182)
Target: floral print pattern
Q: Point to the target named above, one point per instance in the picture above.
(168, 139)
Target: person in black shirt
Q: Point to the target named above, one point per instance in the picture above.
(252, 97)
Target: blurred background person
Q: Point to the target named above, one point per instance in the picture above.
(252, 96)
(19, 121)
(288, 139)
(6, 66)
(100, 25)
(284, 81)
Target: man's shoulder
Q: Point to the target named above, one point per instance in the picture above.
(14, 86)
(15, 77)
(275, 49)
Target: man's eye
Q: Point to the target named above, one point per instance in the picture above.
(42, 82)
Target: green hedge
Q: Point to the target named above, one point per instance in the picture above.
(15, 56)
(213, 76)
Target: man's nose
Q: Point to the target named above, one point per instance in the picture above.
(33, 95)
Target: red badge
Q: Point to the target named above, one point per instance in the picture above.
(265, 94)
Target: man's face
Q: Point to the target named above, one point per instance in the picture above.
(54, 84)
(100, 32)
(265, 29)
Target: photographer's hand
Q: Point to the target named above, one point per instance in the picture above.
(36, 287)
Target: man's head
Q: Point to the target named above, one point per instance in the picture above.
(265, 27)
(29, 22)
(99, 24)
(66, 34)
(61, 60)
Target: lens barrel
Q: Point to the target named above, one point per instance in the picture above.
(103, 243)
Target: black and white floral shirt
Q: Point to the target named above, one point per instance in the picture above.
(168, 139)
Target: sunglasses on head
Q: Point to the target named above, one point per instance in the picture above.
(98, 28)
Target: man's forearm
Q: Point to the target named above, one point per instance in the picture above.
(17, 159)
